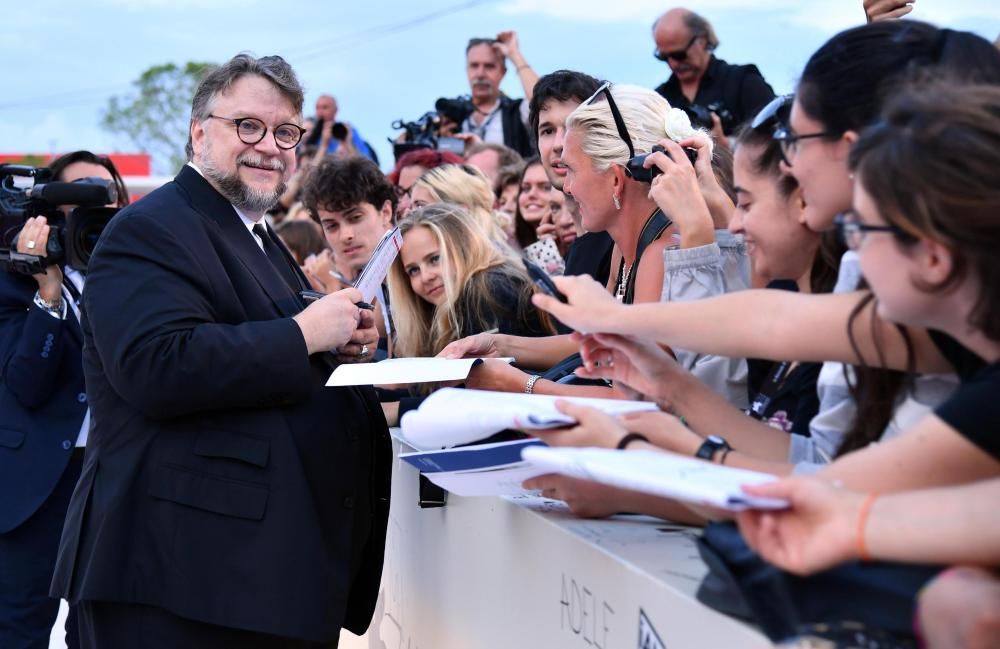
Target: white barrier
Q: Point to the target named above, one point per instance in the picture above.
(493, 572)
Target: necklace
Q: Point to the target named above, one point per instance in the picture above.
(623, 279)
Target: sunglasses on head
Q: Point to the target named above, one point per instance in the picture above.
(774, 114)
(634, 166)
(678, 55)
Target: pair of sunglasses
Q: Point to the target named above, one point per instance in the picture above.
(677, 55)
(633, 167)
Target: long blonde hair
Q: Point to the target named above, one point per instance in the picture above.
(423, 329)
(465, 185)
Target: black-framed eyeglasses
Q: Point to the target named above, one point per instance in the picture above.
(401, 192)
(677, 55)
(788, 140)
(605, 89)
(251, 130)
(774, 114)
(852, 232)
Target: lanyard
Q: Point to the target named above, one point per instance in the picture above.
(768, 390)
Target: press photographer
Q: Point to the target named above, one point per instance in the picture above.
(718, 96)
(45, 245)
(494, 116)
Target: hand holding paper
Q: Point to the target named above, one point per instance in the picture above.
(661, 474)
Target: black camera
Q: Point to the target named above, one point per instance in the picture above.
(635, 170)
(456, 109)
(26, 192)
(701, 116)
(339, 132)
(424, 133)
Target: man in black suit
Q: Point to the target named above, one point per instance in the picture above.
(227, 499)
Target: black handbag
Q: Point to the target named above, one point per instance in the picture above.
(868, 605)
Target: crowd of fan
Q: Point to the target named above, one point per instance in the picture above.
(804, 284)
(863, 208)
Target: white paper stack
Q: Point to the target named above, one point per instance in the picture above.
(397, 371)
(661, 474)
(453, 416)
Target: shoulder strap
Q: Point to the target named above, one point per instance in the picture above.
(653, 230)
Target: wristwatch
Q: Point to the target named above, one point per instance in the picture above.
(712, 445)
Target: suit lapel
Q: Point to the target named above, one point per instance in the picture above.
(211, 204)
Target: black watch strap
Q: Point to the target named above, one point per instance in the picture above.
(629, 438)
(712, 445)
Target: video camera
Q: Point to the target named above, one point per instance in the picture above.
(701, 116)
(71, 239)
(425, 132)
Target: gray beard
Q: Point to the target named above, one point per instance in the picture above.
(241, 195)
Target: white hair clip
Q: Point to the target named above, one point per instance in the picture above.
(677, 125)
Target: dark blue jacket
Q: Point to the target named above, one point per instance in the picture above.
(42, 398)
(222, 481)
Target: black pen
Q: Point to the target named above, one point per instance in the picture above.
(312, 296)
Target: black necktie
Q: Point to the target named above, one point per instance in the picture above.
(277, 258)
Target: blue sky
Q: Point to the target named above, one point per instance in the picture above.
(64, 59)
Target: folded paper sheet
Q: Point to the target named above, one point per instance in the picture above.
(661, 474)
(453, 416)
(396, 371)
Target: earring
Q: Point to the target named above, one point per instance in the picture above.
(618, 204)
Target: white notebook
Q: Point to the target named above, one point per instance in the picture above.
(660, 474)
(453, 416)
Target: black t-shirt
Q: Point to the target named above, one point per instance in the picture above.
(590, 254)
(793, 403)
(974, 409)
(740, 89)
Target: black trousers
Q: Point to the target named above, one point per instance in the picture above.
(27, 559)
(112, 625)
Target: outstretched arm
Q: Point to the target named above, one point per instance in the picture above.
(776, 325)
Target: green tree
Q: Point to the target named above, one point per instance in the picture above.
(155, 113)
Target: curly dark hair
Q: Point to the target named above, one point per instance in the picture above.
(336, 184)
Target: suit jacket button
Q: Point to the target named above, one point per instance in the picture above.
(50, 338)
(349, 502)
(45, 354)
(67, 444)
(82, 397)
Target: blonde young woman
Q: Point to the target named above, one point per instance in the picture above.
(450, 280)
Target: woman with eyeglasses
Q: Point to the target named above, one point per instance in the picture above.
(925, 226)
(768, 319)
(410, 166)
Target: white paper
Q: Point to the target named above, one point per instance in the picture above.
(502, 481)
(453, 416)
(375, 270)
(403, 370)
(661, 474)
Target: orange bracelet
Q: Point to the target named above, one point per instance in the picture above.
(866, 506)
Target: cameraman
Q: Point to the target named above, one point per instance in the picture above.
(726, 94)
(492, 116)
(44, 421)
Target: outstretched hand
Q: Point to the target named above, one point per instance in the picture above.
(643, 368)
(589, 307)
(816, 532)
